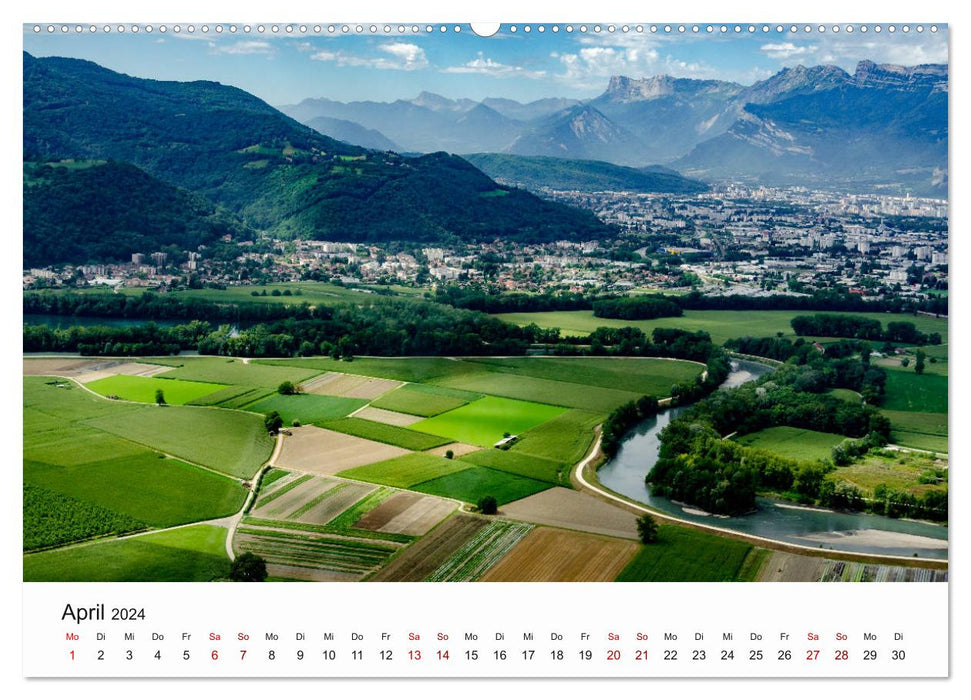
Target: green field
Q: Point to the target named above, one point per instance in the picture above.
(521, 464)
(795, 443)
(909, 391)
(648, 376)
(193, 553)
(147, 487)
(231, 442)
(925, 431)
(423, 399)
(484, 422)
(403, 369)
(405, 471)
(142, 389)
(313, 293)
(722, 325)
(548, 391)
(89, 471)
(390, 434)
(307, 408)
(566, 438)
(471, 484)
(682, 554)
(847, 395)
(51, 519)
(227, 370)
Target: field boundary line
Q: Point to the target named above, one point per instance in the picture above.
(778, 545)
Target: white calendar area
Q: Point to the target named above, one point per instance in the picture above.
(485, 630)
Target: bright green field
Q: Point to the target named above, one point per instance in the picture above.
(471, 484)
(405, 471)
(521, 464)
(722, 325)
(193, 553)
(909, 391)
(177, 392)
(484, 422)
(390, 434)
(681, 554)
(231, 442)
(795, 443)
(233, 371)
(566, 438)
(423, 399)
(307, 408)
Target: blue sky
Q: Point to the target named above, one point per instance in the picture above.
(287, 68)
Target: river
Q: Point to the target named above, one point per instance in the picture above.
(777, 520)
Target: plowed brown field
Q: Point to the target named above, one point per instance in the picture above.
(424, 557)
(546, 554)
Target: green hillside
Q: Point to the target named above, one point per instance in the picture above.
(274, 173)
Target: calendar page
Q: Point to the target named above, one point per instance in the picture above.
(525, 349)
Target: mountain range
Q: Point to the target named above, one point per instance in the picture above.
(258, 166)
(881, 126)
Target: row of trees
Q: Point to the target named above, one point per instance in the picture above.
(860, 327)
(634, 308)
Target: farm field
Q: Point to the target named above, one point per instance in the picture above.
(521, 464)
(425, 556)
(648, 376)
(405, 514)
(566, 438)
(404, 369)
(533, 389)
(484, 549)
(405, 471)
(721, 325)
(682, 554)
(192, 553)
(925, 431)
(306, 408)
(546, 554)
(795, 443)
(380, 415)
(321, 451)
(423, 400)
(922, 393)
(228, 370)
(474, 482)
(488, 420)
(349, 385)
(231, 442)
(382, 432)
(847, 395)
(142, 389)
(105, 483)
(572, 510)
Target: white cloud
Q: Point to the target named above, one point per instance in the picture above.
(242, 48)
(786, 50)
(486, 66)
(399, 56)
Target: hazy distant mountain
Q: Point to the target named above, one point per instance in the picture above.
(537, 172)
(425, 124)
(352, 133)
(272, 172)
(782, 128)
(580, 132)
(883, 126)
(531, 110)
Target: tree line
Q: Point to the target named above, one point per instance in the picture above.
(862, 328)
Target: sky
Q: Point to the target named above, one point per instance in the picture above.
(285, 68)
